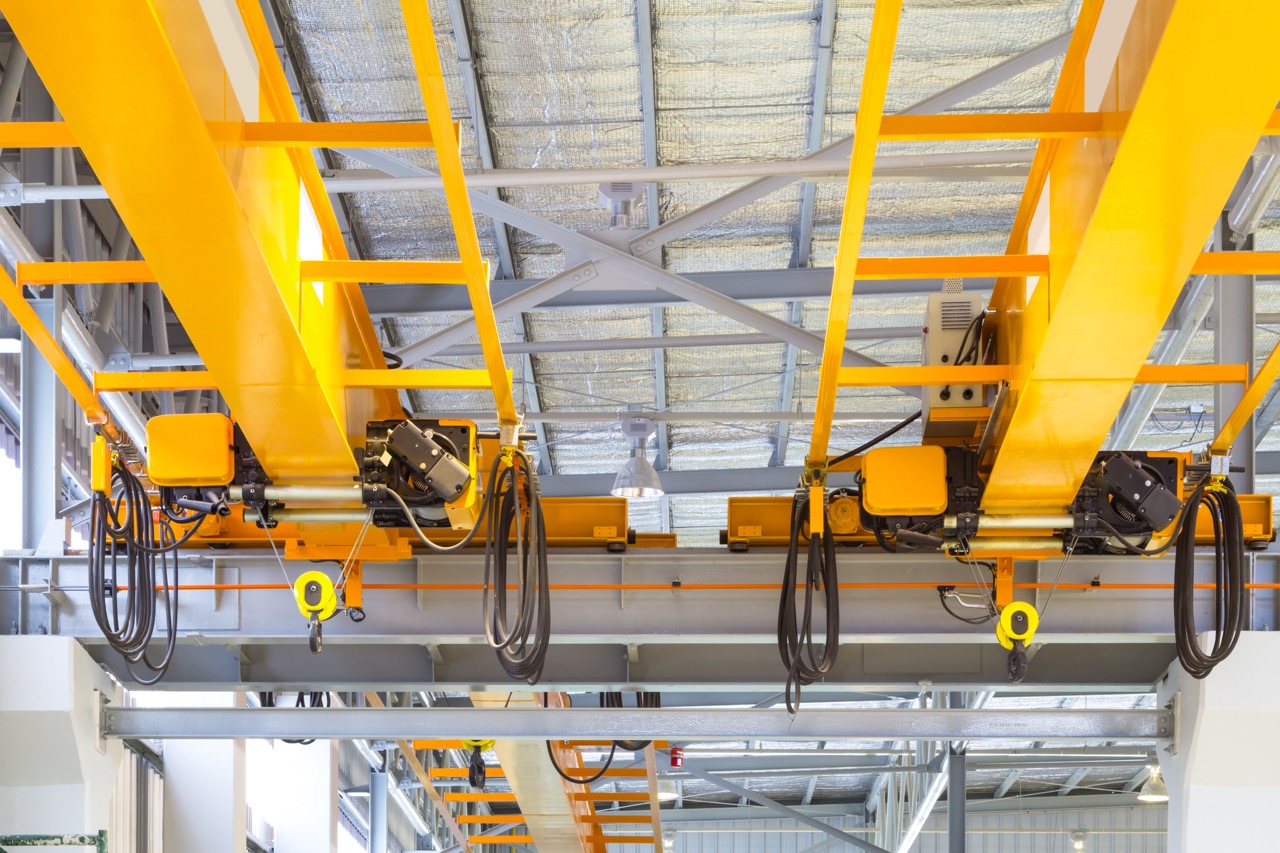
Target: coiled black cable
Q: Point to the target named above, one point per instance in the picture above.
(511, 501)
(613, 750)
(644, 699)
(312, 699)
(520, 638)
(1229, 579)
(144, 544)
(795, 639)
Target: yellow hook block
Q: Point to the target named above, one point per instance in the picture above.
(1018, 621)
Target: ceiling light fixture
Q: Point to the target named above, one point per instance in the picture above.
(1154, 790)
(667, 791)
(668, 839)
(1078, 837)
(638, 478)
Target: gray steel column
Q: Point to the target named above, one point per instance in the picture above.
(41, 432)
(377, 811)
(955, 800)
(1233, 334)
(38, 220)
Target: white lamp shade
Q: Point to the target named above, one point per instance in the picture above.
(637, 479)
(1154, 790)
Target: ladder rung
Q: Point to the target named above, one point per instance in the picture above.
(616, 818)
(491, 797)
(491, 818)
(502, 839)
(616, 772)
(461, 773)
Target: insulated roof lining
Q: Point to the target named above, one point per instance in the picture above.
(560, 85)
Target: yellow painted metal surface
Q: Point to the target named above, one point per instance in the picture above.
(12, 298)
(190, 450)
(875, 82)
(426, 61)
(1128, 218)
(317, 134)
(83, 272)
(100, 466)
(1249, 403)
(452, 272)
(137, 380)
(1192, 374)
(980, 374)
(924, 128)
(222, 229)
(386, 272)
(37, 134)
(905, 480)
(442, 379)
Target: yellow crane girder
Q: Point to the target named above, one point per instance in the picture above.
(1128, 217)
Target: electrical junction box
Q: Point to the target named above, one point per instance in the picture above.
(190, 450)
(951, 337)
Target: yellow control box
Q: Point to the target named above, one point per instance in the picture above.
(190, 450)
(905, 480)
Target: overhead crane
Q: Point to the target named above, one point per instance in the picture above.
(319, 461)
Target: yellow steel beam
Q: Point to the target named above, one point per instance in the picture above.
(278, 97)
(451, 272)
(387, 272)
(222, 230)
(924, 128)
(1237, 263)
(1192, 374)
(982, 374)
(83, 272)
(988, 374)
(11, 297)
(1243, 412)
(37, 134)
(1008, 299)
(256, 134)
(160, 380)
(875, 82)
(384, 134)
(951, 266)
(438, 380)
(1127, 219)
(318, 134)
(426, 61)
(478, 380)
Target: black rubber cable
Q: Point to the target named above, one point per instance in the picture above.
(795, 639)
(879, 438)
(613, 749)
(1229, 580)
(521, 643)
(146, 546)
(513, 491)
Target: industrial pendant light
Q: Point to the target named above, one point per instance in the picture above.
(637, 479)
(1154, 790)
